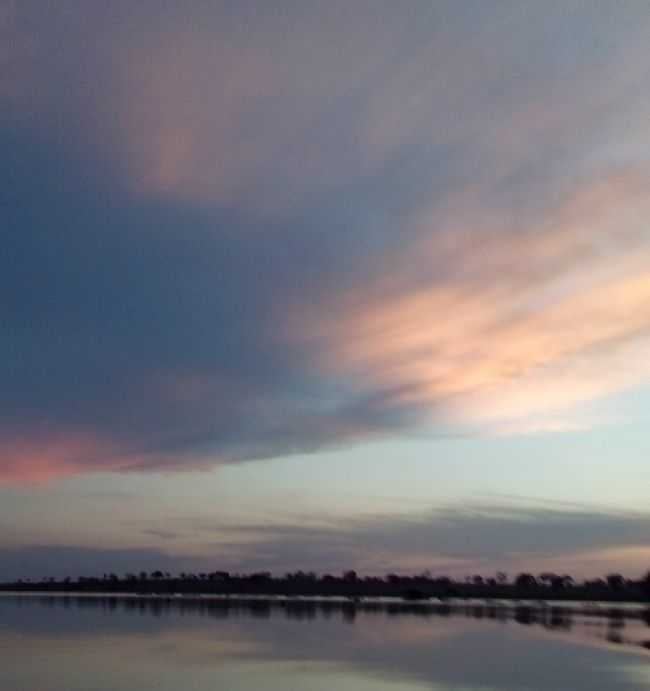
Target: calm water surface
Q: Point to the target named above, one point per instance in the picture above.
(126, 644)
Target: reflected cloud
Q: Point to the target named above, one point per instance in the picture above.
(472, 646)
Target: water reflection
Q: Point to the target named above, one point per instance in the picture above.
(128, 643)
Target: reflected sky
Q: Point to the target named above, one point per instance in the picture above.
(127, 644)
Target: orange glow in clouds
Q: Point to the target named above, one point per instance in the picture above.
(39, 460)
(511, 328)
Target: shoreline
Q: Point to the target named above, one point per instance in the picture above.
(469, 606)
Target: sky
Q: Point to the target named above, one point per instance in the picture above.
(356, 284)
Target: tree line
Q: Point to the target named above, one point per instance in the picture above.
(547, 585)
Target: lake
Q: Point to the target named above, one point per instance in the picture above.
(69, 643)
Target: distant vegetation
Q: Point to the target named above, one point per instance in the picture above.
(525, 586)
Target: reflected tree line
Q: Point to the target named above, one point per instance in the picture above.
(525, 586)
(557, 617)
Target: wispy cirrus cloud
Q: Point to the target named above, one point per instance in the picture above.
(493, 325)
(478, 537)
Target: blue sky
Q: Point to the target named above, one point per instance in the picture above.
(278, 281)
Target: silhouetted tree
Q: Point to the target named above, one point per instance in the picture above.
(525, 580)
(615, 581)
(645, 585)
(547, 577)
(260, 578)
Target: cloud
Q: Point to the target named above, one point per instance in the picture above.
(276, 110)
(498, 326)
(229, 228)
(455, 540)
(39, 461)
(481, 537)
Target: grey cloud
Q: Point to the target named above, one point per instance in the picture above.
(455, 540)
(477, 536)
(162, 223)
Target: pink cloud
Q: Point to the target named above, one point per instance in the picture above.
(493, 326)
(37, 460)
(40, 458)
